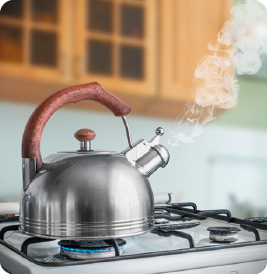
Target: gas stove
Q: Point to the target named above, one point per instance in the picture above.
(184, 239)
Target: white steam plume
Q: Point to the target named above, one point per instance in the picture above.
(241, 43)
(2, 2)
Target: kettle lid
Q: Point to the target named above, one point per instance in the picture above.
(85, 136)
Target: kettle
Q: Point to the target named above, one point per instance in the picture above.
(87, 193)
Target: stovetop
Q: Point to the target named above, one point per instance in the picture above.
(185, 233)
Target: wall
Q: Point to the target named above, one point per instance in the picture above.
(251, 109)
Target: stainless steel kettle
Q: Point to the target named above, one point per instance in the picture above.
(87, 193)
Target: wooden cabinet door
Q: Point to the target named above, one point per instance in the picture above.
(186, 28)
(115, 45)
(34, 43)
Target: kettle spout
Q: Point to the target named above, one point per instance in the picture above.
(157, 157)
(148, 157)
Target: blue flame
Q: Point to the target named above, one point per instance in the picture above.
(86, 251)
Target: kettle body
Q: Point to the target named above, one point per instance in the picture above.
(87, 193)
(87, 196)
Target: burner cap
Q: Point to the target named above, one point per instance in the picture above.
(82, 250)
(224, 234)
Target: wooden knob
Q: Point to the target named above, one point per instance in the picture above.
(84, 135)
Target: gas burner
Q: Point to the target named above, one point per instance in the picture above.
(83, 250)
(161, 220)
(224, 234)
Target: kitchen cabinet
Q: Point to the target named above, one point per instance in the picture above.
(185, 29)
(34, 43)
(114, 44)
(144, 51)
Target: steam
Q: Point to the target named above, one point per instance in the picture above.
(2, 2)
(241, 43)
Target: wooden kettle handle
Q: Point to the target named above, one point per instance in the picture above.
(37, 121)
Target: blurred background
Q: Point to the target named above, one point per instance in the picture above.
(145, 52)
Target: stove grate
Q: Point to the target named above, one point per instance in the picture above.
(172, 230)
(165, 231)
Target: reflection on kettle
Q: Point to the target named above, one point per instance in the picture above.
(87, 193)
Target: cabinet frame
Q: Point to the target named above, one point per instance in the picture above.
(26, 70)
(114, 83)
